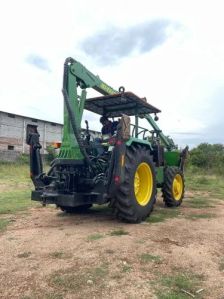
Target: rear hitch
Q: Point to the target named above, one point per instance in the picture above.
(36, 165)
(183, 157)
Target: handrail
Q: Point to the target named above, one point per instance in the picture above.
(144, 130)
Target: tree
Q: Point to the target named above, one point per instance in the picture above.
(209, 157)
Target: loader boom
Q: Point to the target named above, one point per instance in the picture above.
(167, 142)
(76, 75)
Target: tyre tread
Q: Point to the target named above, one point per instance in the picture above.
(121, 204)
(167, 195)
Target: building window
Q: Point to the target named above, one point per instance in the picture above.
(34, 120)
(10, 147)
(11, 115)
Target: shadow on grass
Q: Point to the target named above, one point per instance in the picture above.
(97, 212)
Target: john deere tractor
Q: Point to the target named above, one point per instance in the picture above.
(130, 165)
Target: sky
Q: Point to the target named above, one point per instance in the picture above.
(171, 52)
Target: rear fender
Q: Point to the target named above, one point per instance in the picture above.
(172, 158)
(135, 141)
(116, 168)
(117, 165)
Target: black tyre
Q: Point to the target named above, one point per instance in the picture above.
(136, 196)
(78, 210)
(173, 188)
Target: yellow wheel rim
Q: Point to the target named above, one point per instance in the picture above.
(143, 184)
(177, 188)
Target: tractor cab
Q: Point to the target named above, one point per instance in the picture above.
(117, 110)
(120, 104)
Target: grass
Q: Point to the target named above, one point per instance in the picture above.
(219, 195)
(119, 232)
(15, 190)
(199, 202)
(198, 181)
(200, 216)
(99, 272)
(52, 295)
(210, 183)
(15, 187)
(71, 280)
(15, 172)
(126, 268)
(67, 282)
(59, 255)
(14, 201)
(3, 224)
(221, 265)
(173, 286)
(162, 214)
(146, 257)
(24, 254)
(95, 237)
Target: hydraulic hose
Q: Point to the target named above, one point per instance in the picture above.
(70, 112)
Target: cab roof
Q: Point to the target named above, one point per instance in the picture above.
(121, 103)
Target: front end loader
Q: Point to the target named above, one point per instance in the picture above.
(131, 165)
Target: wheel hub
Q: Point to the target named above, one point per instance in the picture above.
(177, 188)
(143, 184)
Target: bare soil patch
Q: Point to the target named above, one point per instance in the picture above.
(46, 253)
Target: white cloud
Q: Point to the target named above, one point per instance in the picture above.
(182, 76)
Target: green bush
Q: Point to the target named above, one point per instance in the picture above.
(51, 153)
(24, 159)
(208, 158)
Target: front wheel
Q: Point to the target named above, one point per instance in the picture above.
(173, 188)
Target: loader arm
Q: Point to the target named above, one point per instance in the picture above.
(76, 75)
(168, 143)
(86, 79)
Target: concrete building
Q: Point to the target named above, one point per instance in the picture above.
(13, 134)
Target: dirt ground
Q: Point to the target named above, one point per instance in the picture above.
(46, 253)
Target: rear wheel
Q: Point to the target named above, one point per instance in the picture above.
(79, 209)
(173, 188)
(136, 196)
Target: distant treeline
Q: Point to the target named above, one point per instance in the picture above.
(208, 158)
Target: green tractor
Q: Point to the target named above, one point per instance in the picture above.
(123, 169)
